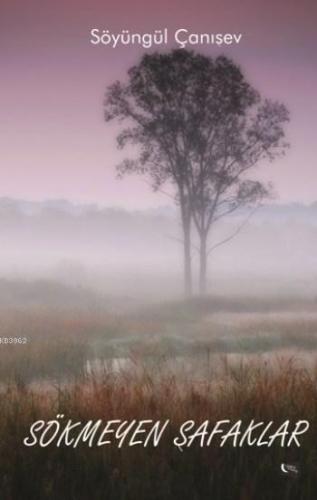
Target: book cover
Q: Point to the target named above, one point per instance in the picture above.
(158, 234)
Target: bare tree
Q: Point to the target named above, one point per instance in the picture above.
(199, 125)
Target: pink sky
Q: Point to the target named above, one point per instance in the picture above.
(54, 142)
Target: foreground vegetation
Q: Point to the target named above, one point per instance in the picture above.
(201, 360)
(246, 390)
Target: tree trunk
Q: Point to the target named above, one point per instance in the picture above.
(188, 281)
(203, 264)
(186, 219)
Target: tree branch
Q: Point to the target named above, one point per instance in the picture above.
(235, 233)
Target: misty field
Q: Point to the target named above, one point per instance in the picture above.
(215, 358)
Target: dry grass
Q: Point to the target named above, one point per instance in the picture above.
(226, 360)
(251, 390)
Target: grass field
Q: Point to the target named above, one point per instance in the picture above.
(214, 359)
